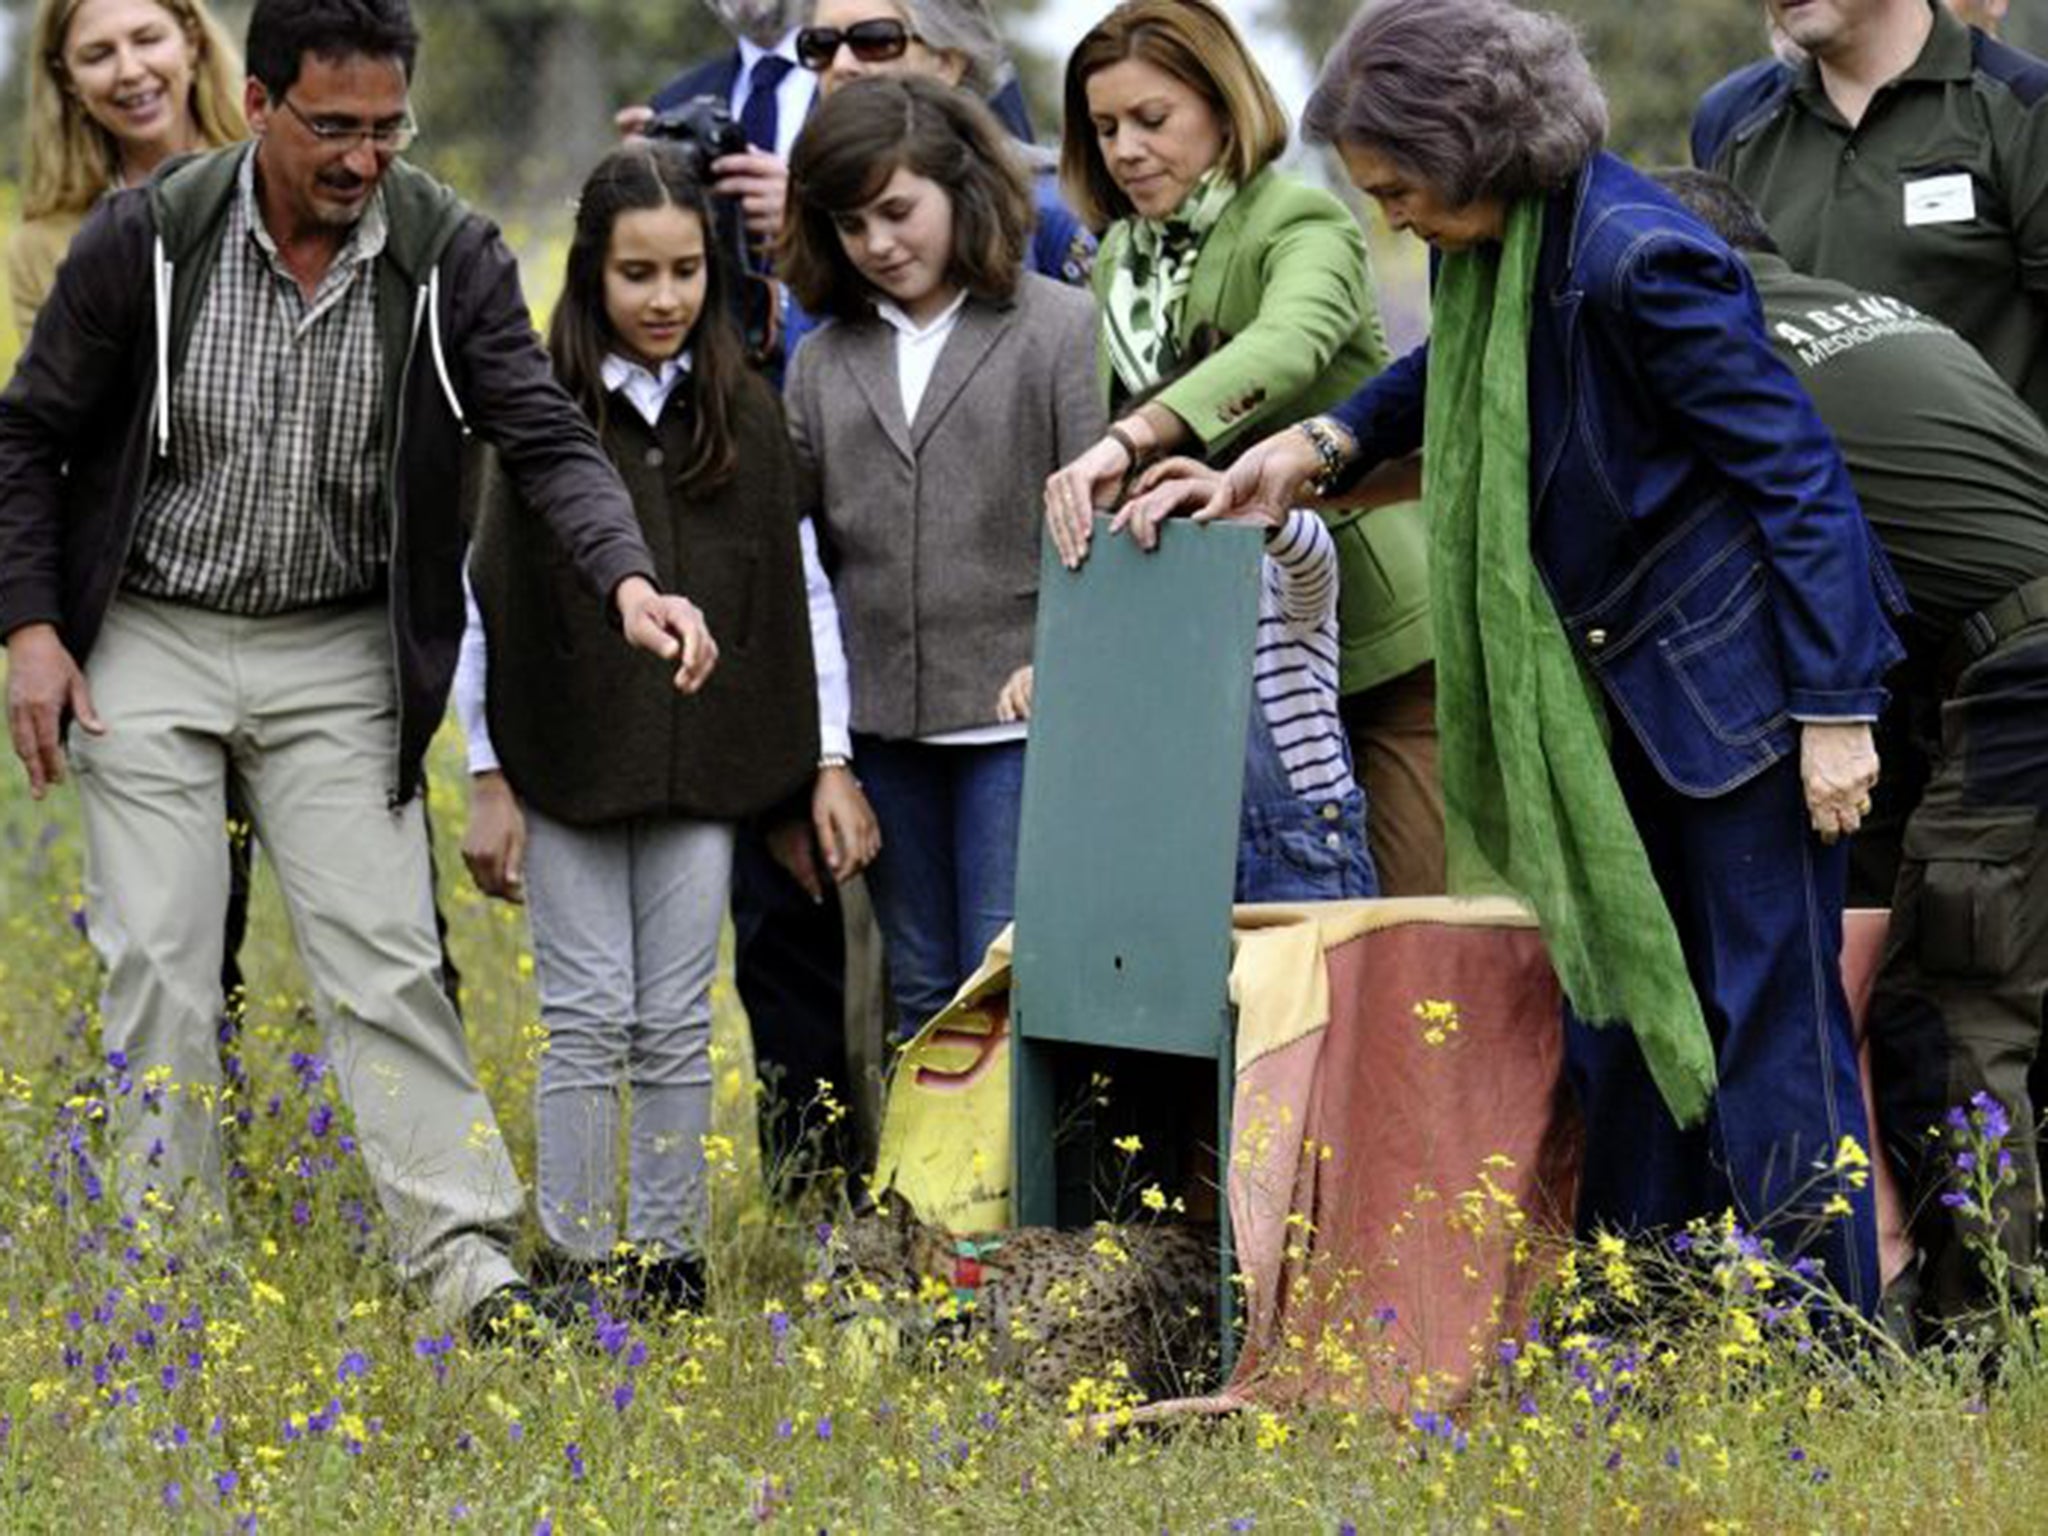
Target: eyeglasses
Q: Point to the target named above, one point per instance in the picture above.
(346, 133)
(873, 42)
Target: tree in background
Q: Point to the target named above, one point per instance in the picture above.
(1653, 60)
(515, 97)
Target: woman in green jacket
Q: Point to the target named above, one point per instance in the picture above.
(1235, 299)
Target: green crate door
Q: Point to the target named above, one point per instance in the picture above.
(1127, 853)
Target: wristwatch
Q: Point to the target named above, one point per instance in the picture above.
(1330, 449)
(834, 760)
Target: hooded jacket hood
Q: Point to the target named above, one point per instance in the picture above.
(190, 194)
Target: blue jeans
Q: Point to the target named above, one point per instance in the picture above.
(1291, 849)
(945, 882)
(1757, 899)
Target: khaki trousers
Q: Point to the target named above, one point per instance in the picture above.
(1392, 727)
(299, 711)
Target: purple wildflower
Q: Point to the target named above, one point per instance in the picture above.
(612, 1333)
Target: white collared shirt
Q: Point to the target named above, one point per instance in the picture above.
(645, 389)
(793, 97)
(918, 348)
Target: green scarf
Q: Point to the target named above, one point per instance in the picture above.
(1532, 802)
(1149, 287)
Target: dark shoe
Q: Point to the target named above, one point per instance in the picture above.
(673, 1284)
(1899, 1309)
(568, 1287)
(511, 1317)
(573, 1303)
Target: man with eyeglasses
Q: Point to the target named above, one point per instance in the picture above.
(230, 472)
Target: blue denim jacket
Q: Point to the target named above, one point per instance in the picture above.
(1690, 515)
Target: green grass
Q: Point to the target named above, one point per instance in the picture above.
(1721, 1423)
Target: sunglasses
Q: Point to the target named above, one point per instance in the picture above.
(873, 42)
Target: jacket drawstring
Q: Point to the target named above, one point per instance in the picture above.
(433, 297)
(160, 275)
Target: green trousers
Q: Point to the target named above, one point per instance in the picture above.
(1957, 1006)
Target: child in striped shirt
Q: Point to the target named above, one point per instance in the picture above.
(1301, 829)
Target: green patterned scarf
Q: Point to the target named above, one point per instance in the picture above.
(1533, 805)
(1150, 285)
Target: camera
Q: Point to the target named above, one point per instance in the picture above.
(704, 131)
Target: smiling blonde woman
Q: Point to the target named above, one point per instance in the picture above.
(116, 87)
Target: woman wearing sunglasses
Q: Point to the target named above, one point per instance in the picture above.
(958, 42)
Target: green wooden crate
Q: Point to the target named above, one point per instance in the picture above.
(1127, 853)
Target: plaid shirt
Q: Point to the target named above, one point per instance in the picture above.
(270, 499)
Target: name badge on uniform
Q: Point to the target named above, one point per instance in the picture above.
(1949, 199)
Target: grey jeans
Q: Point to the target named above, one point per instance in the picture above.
(625, 920)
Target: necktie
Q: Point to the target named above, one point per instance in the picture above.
(758, 115)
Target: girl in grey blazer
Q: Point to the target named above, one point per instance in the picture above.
(926, 413)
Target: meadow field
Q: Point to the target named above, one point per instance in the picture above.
(271, 1375)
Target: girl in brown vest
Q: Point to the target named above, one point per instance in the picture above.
(601, 797)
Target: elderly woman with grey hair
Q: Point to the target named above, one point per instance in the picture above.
(1661, 621)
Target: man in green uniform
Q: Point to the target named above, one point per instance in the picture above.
(1952, 471)
(1908, 155)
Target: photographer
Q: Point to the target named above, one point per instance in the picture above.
(770, 93)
